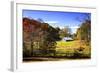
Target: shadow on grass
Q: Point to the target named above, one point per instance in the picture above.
(54, 58)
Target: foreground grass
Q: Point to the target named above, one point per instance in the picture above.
(65, 51)
(71, 46)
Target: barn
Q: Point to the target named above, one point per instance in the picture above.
(67, 39)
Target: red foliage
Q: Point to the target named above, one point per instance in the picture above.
(29, 25)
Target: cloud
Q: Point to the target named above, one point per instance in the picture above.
(71, 27)
(74, 28)
(52, 22)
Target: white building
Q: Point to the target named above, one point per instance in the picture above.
(67, 39)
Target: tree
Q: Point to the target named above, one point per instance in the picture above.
(65, 32)
(84, 32)
(38, 36)
(50, 36)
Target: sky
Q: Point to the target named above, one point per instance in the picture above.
(57, 18)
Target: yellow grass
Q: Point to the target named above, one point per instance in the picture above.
(70, 46)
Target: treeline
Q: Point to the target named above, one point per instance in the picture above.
(39, 38)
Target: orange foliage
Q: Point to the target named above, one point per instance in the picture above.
(44, 26)
(30, 25)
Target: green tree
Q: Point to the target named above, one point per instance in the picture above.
(50, 36)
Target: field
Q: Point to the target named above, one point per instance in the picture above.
(71, 47)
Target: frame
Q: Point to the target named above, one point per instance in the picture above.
(17, 58)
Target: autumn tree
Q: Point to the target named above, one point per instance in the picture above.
(38, 36)
(84, 32)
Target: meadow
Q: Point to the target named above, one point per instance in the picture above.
(70, 48)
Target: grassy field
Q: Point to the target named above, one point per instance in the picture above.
(72, 47)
